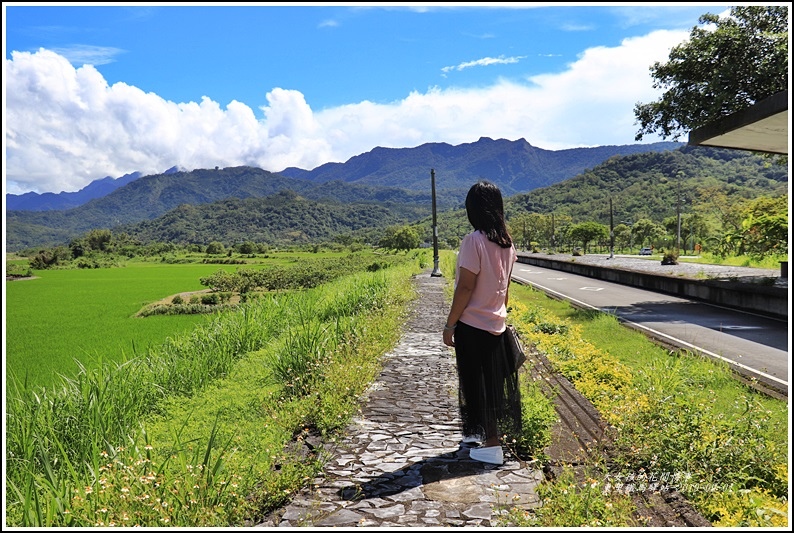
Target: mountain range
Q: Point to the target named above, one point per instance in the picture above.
(516, 166)
(381, 187)
(49, 201)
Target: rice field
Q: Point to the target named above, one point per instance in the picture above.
(86, 315)
(195, 431)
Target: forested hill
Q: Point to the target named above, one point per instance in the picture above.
(152, 196)
(647, 185)
(381, 175)
(642, 185)
(283, 218)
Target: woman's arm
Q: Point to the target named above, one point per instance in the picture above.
(460, 299)
(507, 290)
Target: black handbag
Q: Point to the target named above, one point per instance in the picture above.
(513, 347)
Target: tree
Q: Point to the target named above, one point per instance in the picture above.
(645, 230)
(622, 236)
(724, 67)
(693, 228)
(99, 239)
(215, 247)
(764, 229)
(586, 232)
(527, 228)
(400, 238)
(247, 247)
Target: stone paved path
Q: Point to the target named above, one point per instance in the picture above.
(401, 463)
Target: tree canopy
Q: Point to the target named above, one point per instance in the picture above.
(727, 65)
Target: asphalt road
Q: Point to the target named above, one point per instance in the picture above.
(754, 345)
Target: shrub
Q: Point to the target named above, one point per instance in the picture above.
(670, 258)
(177, 300)
(537, 418)
(210, 299)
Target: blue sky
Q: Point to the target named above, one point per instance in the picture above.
(93, 91)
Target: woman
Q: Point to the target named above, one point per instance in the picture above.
(488, 385)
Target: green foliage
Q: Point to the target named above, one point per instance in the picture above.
(587, 232)
(716, 186)
(222, 280)
(570, 502)
(537, 418)
(210, 299)
(670, 258)
(400, 238)
(300, 365)
(721, 444)
(50, 258)
(186, 436)
(762, 231)
(215, 248)
(725, 66)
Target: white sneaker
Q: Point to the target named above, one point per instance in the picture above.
(488, 454)
(471, 439)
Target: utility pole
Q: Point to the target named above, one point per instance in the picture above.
(611, 231)
(436, 272)
(553, 244)
(678, 215)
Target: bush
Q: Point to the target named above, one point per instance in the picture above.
(670, 258)
(177, 300)
(537, 418)
(210, 299)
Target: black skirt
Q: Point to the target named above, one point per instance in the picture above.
(489, 394)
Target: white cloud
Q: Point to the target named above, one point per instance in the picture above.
(66, 126)
(484, 62)
(89, 55)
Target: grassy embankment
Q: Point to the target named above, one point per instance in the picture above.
(678, 421)
(208, 428)
(64, 319)
(209, 450)
(204, 429)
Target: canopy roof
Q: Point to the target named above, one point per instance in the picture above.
(760, 128)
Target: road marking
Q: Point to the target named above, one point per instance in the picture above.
(596, 289)
(670, 337)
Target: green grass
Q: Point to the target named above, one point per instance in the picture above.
(672, 413)
(86, 315)
(203, 431)
(772, 262)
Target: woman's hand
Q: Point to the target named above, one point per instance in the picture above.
(449, 337)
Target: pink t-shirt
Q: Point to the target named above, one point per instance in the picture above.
(493, 265)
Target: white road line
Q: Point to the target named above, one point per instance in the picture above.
(674, 339)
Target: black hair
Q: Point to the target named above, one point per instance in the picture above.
(485, 209)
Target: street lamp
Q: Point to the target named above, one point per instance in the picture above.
(436, 272)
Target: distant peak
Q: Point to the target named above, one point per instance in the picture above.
(175, 169)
